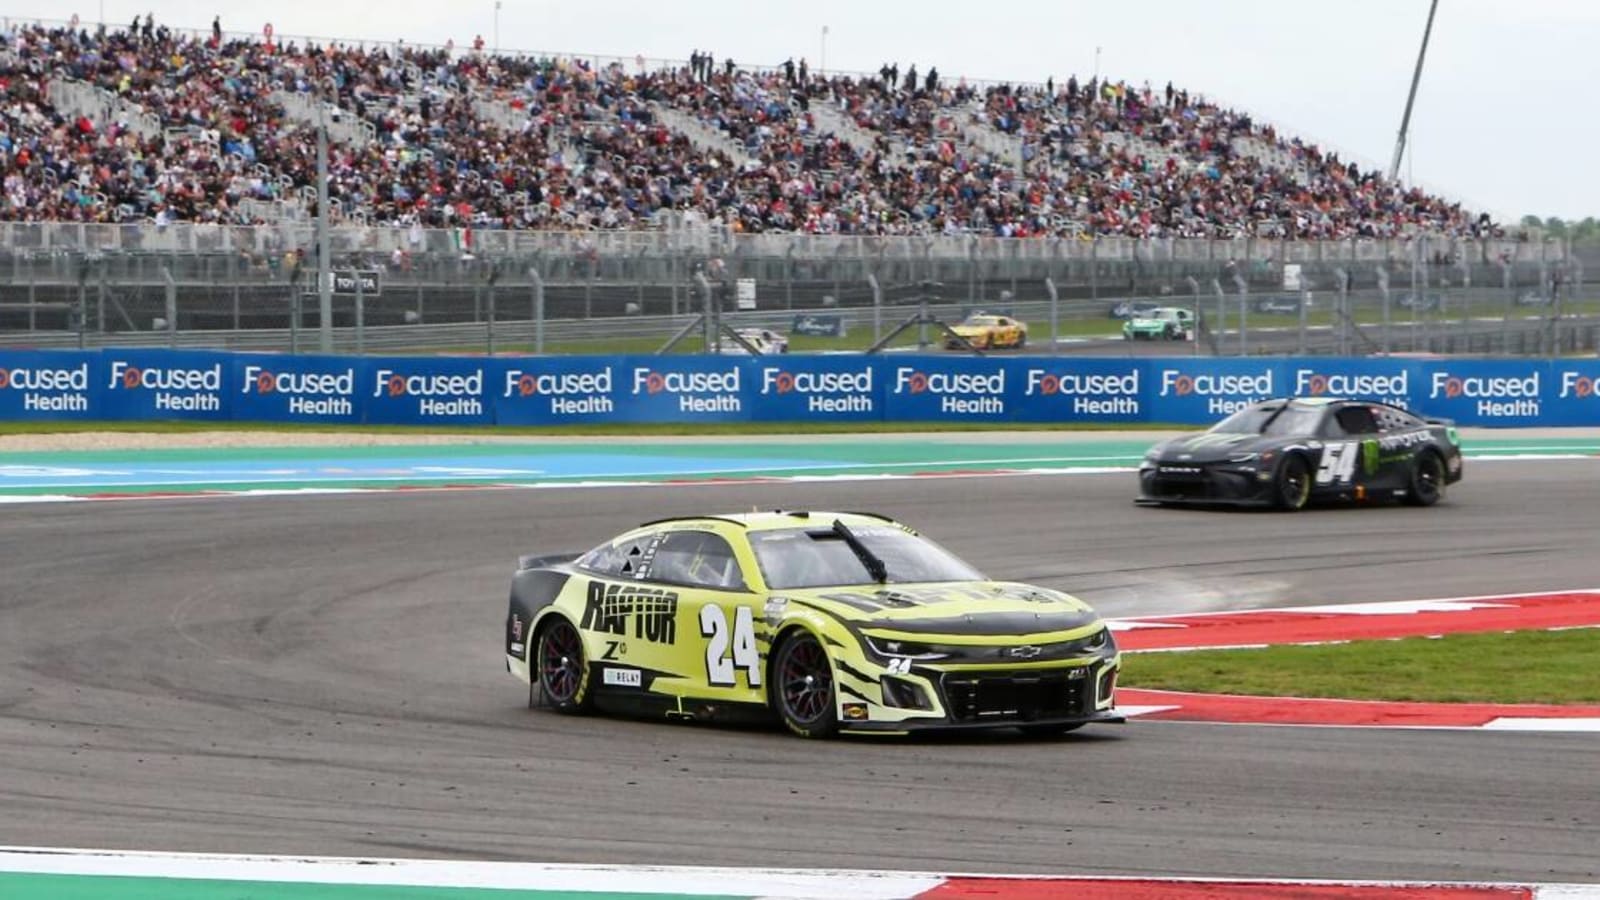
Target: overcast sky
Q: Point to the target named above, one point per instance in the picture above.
(1505, 117)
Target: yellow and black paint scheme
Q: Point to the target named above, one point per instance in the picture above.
(705, 641)
(989, 332)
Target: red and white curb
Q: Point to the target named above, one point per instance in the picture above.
(787, 884)
(1359, 621)
(1350, 622)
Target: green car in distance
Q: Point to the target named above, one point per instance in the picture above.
(1164, 323)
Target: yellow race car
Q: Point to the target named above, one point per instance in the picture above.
(828, 622)
(988, 332)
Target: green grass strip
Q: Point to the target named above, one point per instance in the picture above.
(1499, 667)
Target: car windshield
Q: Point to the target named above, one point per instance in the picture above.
(821, 557)
(982, 320)
(1272, 418)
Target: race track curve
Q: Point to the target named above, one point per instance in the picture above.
(322, 675)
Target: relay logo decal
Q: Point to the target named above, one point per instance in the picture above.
(1090, 395)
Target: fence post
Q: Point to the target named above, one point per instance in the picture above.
(1343, 301)
(494, 276)
(538, 306)
(171, 306)
(708, 319)
(1383, 291)
(1244, 315)
(877, 306)
(1055, 315)
(1222, 312)
(361, 319)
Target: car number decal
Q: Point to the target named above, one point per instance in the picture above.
(1338, 462)
(720, 665)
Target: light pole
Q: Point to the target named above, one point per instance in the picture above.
(1097, 62)
(496, 27)
(324, 280)
(822, 61)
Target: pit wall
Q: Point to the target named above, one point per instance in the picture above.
(150, 385)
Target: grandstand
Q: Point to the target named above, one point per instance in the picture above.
(148, 124)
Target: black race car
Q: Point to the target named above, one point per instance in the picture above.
(1289, 452)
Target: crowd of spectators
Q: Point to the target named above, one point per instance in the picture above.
(440, 138)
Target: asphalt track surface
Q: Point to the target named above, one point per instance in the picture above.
(322, 675)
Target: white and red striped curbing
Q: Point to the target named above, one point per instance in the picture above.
(1351, 622)
(572, 882)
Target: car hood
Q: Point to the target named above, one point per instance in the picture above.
(1211, 446)
(978, 608)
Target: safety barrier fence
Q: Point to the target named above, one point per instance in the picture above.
(149, 384)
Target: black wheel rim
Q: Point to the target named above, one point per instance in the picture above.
(1428, 478)
(805, 681)
(560, 662)
(1296, 483)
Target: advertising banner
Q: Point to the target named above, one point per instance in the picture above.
(271, 388)
(1082, 390)
(166, 384)
(1194, 391)
(148, 384)
(544, 390)
(792, 388)
(50, 384)
(684, 389)
(1573, 395)
(948, 389)
(1495, 393)
(1387, 380)
(419, 390)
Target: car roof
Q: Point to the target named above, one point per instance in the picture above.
(768, 520)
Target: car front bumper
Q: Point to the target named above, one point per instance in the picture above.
(1216, 483)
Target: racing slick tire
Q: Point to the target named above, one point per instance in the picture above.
(1022, 341)
(1427, 480)
(561, 671)
(1291, 486)
(801, 686)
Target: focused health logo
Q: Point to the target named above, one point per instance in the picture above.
(173, 388)
(824, 392)
(1496, 396)
(49, 388)
(305, 393)
(583, 393)
(1091, 394)
(1225, 394)
(696, 392)
(959, 393)
(1390, 389)
(436, 394)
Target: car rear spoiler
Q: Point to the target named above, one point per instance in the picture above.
(536, 561)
